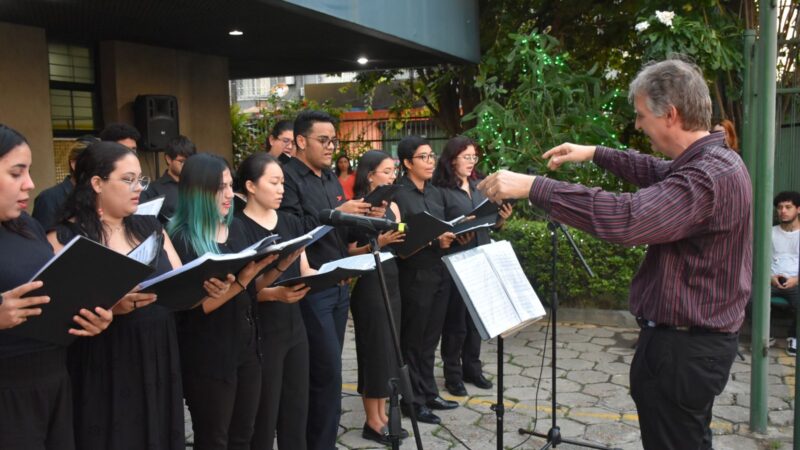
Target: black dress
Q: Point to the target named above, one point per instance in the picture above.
(35, 394)
(126, 381)
(283, 407)
(375, 351)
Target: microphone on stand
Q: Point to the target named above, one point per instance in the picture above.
(335, 217)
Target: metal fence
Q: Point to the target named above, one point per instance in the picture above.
(360, 135)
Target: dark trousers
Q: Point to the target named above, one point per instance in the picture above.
(424, 304)
(325, 317)
(36, 402)
(674, 377)
(224, 411)
(793, 297)
(284, 394)
(461, 343)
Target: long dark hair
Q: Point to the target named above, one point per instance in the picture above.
(444, 175)
(9, 140)
(406, 148)
(197, 213)
(368, 162)
(251, 169)
(98, 160)
(336, 166)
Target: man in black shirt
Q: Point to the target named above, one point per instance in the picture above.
(121, 133)
(310, 186)
(176, 153)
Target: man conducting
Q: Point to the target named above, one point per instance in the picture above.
(693, 212)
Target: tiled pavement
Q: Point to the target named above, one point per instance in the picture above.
(592, 394)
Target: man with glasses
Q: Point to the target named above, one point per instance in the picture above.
(311, 186)
(178, 150)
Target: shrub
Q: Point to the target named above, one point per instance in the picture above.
(614, 265)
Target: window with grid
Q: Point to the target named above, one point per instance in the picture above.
(73, 98)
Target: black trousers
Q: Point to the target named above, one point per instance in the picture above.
(224, 411)
(461, 343)
(284, 393)
(424, 304)
(793, 297)
(675, 376)
(325, 317)
(36, 402)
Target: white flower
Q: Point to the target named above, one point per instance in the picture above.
(625, 54)
(600, 31)
(641, 26)
(611, 74)
(665, 17)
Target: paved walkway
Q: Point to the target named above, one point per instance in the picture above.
(592, 393)
(593, 400)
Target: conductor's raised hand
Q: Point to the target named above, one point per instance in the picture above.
(92, 323)
(15, 310)
(355, 206)
(568, 152)
(504, 184)
(216, 288)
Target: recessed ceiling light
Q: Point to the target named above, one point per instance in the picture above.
(236, 32)
(362, 60)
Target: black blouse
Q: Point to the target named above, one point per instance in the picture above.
(20, 258)
(411, 201)
(277, 317)
(458, 203)
(209, 343)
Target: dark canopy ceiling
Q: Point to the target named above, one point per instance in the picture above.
(279, 38)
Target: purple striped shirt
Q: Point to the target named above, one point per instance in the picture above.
(694, 215)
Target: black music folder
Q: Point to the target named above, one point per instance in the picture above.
(498, 295)
(84, 274)
(383, 193)
(422, 229)
(331, 273)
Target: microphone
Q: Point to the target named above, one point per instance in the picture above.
(335, 217)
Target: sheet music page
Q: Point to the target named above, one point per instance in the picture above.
(485, 291)
(151, 208)
(502, 257)
(358, 262)
(146, 252)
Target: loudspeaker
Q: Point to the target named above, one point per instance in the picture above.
(157, 119)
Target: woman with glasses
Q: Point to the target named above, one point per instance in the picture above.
(457, 178)
(283, 406)
(126, 382)
(375, 351)
(344, 172)
(281, 140)
(420, 275)
(220, 354)
(35, 392)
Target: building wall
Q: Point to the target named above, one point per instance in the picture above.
(200, 82)
(25, 95)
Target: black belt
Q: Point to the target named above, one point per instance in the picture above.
(644, 323)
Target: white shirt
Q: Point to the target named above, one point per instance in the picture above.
(785, 248)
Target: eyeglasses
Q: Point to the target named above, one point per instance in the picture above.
(287, 142)
(326, 141)
(470, 158)
(426, 157)
(133, 182)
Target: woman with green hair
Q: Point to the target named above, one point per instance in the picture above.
(220, 355)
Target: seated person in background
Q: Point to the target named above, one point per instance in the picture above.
(175, 154)
(727, 127)
(49, 202)
(121, 133)
(785, 250)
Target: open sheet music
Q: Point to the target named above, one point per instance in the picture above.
(496, 291)
(333, 272)
(150, 208)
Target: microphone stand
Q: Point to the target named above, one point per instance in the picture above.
(553, 436)
(404, 377)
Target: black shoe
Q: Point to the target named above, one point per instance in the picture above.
(480, 381)
(381, 437)
(423, 413)
(456, 389)
(440, 403)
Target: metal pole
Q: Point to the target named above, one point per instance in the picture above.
(762, 248)
(749, 130)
